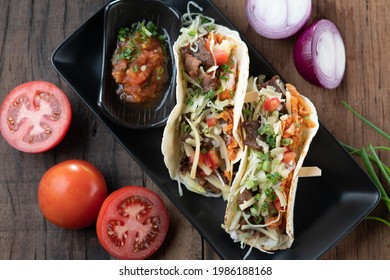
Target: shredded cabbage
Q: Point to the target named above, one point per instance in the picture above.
(196, 105)
(270, 92)
(248, 203)
(235, 221)
(197, 149)
(194, 27)
(262, 144)
(219, 105)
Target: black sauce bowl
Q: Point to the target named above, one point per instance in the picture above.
(122, 13)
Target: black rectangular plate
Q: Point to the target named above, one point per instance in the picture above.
(327, 207)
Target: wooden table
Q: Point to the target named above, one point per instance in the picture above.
(32, 29)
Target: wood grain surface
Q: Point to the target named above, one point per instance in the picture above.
(31, 30)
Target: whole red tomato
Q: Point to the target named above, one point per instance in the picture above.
(71, 193)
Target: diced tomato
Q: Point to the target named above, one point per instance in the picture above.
(211, 121)
(211, 159)
(225, 95)
(270, 104)
(221, 57)
(289, 157)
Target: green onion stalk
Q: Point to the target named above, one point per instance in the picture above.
(369, 157)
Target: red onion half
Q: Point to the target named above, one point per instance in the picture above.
(319, 54)
(277, 19)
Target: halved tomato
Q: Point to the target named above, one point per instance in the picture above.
(35, 116)
(132, 223)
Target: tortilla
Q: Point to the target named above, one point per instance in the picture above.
(174, 147)
(255, 213)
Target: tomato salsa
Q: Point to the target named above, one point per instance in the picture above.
(140, 63)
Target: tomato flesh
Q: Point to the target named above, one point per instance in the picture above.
(271, 104)
(132, 223)
(71, 193)
(211, 159)
(221, 57)
(35, 116)
(289, 157)
(211, 122)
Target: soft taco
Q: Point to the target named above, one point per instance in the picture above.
(201, 140)
(278, 128)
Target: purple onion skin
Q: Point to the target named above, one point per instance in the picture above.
(303, 55)
(275, 34)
